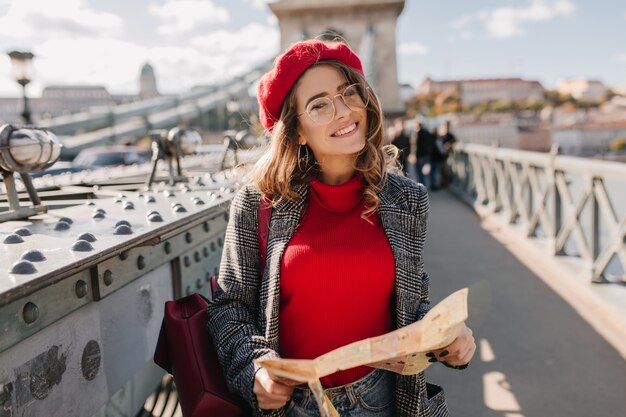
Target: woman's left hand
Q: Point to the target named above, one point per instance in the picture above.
(457, 353)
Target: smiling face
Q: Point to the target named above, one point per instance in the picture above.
(337, 143)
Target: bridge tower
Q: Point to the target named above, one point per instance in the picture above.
(368, 26)
(147, 82)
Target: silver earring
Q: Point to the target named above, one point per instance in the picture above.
(303, 157)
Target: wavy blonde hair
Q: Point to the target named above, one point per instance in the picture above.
(287, 164)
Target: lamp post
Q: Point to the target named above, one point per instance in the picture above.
(22, 69)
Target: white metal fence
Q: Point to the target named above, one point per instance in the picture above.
(578, 205)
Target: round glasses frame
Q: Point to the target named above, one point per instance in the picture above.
(361, 91)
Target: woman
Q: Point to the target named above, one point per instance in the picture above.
(344, 252)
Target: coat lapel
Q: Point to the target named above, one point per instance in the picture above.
(401, 227)
(285, 218)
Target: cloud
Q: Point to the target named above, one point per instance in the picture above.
(42, 19)
(412, 48)
(258, 4)
(238, 51)
(116, 63)
(182, 16)
(508, 22)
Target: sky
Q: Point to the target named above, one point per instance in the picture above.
(200, 42)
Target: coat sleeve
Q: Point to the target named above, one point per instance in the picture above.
(234, 312)
(422, 216)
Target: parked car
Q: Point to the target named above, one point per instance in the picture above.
(110, 156)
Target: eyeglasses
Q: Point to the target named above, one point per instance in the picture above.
(322, 109)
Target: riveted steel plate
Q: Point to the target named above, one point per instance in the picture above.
(115, 272)
(199, 264)
(51, 303)
(56, 245)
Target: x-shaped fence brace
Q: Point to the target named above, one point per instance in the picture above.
(533, 190)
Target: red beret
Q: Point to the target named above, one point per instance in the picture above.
(275, 84)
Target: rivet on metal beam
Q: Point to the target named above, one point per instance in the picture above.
(90, 203)
(123, 230)
(30, 313)
(123, 255)
(199, 283)
(213, 247)
(188, 237)
(206, 226)
(100, 210)
(205, 252)
(121, 222)
(22, 231)
(81, 288)
(121, 195)
(154, 217)
(33, 255)
(167, 247)
(61, 225)
(128, 205)
(207, 277)
(177, 207)
(150, 199)
(196, 256)
(107, 277)
(216, 270)
(23, 268)
(188, 290)
(220, 242)
(13, 238)
(169, 194)
(198, 201)
(82, 246)
(98, 215)
(66, 220)
(186, 261)
(141, 262)
(87, 236)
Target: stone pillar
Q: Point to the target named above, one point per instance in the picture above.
(360, 23)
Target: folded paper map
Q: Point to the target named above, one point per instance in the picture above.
(402, 351)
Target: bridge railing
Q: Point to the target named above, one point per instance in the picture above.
(576, 205)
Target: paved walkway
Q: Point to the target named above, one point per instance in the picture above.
(536, 356)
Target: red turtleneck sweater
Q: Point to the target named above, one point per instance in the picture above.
(337, 278)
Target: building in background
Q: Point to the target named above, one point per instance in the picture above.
(583, 89)
(61, 100)
(472, 92)
(147, 82)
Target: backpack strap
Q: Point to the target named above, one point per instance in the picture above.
(265, 213)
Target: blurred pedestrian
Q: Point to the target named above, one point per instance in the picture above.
(436, 156)
(401, 141)
(448, 141)
(424, 142)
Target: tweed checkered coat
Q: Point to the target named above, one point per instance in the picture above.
(243, 317)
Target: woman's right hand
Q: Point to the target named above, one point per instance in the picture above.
(270, 394)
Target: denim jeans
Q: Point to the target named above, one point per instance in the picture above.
(373, 395)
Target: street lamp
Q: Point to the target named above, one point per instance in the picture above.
(23, 73)
(25, 150)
